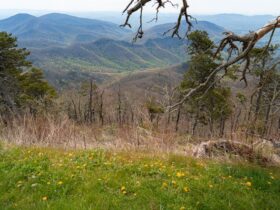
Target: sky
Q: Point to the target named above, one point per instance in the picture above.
(249, 7)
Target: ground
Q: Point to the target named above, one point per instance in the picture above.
(44, 178)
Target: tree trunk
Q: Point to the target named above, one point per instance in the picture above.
(101, 115)
(119, 106)
(178, 118)
(90, 108)
(195, 124)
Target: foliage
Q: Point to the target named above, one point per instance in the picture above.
(200, 43)
(21, 85)
(154, 108)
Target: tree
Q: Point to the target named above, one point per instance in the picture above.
(34, 90)
(21, 85)
(211, 103)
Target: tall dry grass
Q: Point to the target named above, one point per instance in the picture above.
(62, 132)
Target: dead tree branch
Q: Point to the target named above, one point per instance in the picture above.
(138, 5)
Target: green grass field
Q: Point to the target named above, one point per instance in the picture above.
(33, 178)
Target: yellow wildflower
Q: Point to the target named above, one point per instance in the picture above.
(249, 184)
(164, 184)
(186, 189)
(123, 188)
(180, 174)
(182, 208)
(173, 182)
(45, 198)
(60, 183)
(210, 185)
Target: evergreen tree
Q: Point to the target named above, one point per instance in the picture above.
(210, 104)
(21, 85)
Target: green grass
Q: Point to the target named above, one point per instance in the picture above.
(34, 178)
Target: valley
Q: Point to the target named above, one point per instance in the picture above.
(70, 48)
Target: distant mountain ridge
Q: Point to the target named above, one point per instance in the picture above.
(238, 23)
(59, 29)
(63, 30)
(158, 31)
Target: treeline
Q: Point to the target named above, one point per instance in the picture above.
(221, 109)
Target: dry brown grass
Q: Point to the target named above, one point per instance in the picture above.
(61, 132)
(64, 133)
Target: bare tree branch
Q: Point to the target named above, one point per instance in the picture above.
(138, 5)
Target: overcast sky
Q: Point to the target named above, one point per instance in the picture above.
(197, 6)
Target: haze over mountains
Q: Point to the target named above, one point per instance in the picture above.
(64, 45)
(59, 29)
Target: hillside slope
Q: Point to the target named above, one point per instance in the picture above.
(52, 179)
(108, 55)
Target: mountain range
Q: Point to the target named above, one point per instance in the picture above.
(62, 44)
(69, 47)
(59, 30)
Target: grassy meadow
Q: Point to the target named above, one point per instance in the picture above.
(42, 178)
